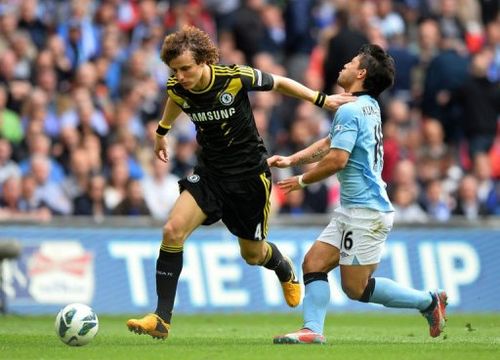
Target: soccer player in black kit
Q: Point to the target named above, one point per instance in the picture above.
(232, 181)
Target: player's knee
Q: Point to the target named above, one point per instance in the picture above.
(172, 234)
(353, 291)
(317, 264)
(309, 265)
(251, 258)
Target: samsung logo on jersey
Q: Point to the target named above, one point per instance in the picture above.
(213, 115)
(370, 110)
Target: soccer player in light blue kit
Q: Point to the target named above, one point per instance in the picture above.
(359, 227)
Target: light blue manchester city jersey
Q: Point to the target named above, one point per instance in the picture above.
(357, 128)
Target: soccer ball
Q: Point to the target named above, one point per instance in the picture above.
(76, 324)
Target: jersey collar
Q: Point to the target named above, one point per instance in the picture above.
(359, 93)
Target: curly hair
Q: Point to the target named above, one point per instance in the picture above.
(193, 39)
(379, 67)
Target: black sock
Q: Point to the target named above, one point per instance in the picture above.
(315, 276)
(432, 305)
(367, 294)
(168, 270)
(275, 261)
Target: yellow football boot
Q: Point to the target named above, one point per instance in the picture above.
(291, 288)
(150, 324)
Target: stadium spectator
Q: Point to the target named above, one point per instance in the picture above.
(116, 153)
(406, 208)
(298, 17)
(116, 188)
(437, 203)
(149, 18)
(92, 203)
(445, 74)
(13, 206)
(9, 198)
(133, 204)
(48, 191)
(426, 47)
(8, 167)
(10, 124)
(293, 204)
(468, 203)
(249, 17)
(8, 25)
(450, 24)
(480, 102)
(68, 141)
(184, 156)
(77, 181)
(40, 144)
(493, 44)
(160, 183)
(30, 21)
(405, 175)
(60, 61)
(93, 146)
(340, 49)
(79, 34)
(391, 22)
(486, 187)
(30, 202)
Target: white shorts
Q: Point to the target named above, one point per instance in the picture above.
(359, 234)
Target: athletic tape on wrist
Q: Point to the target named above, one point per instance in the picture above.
(162, 131)
(301, 181)
(320, 99)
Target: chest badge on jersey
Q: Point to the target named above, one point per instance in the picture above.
(193, 178)
(226, 99)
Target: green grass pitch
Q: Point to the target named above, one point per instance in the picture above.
(236, 336)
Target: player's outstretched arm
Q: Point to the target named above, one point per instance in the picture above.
(311, 154)
(335, 160)
(171, 112)
(295, 89)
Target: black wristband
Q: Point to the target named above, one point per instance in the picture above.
(320, 99)
(161, 131)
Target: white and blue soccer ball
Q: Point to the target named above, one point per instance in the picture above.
(76, 324)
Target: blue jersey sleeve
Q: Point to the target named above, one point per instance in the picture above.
(344, 130)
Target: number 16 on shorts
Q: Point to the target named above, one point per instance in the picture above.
(347, 240)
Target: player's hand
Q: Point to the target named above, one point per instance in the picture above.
(160, 148)
(279, 161)
(333, 102)
(289, 184)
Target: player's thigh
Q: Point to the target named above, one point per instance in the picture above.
(246, 207)
(321, 257)
(185, 216)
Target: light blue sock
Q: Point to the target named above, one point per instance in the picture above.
(316, 301)
(391, 294)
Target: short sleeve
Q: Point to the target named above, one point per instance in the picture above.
(255, 80)
(344, 130)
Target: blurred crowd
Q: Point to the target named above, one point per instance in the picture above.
(82, 88)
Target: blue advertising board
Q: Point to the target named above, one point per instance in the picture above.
(112, 269)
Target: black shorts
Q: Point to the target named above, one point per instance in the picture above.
(242, 205)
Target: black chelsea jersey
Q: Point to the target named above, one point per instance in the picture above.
(230, 145)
